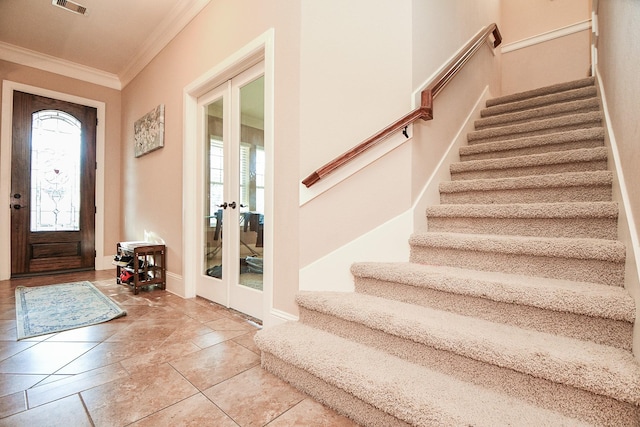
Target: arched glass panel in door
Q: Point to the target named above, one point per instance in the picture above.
(55, 171)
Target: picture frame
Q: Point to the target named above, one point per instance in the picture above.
(148, 132)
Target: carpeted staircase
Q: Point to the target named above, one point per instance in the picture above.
(511, 310)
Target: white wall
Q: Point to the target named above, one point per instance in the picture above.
(440, 28)
(370, 215)
(355, 79)
(545, 42)
(355, 66)
(618, 67)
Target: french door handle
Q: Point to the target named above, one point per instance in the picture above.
(231, 205)
(18, 207)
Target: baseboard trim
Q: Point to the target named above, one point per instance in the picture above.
(430, 194)
(105, 262)
(278, 317)
(175, 284)
(621, 179)
(548, 36)
(627, 228)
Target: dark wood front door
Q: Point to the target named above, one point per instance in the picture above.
(53, 168)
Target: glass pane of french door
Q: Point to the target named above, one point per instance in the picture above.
(251, 184)
(233, 189)
(214, 173)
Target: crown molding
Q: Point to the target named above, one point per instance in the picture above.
(175, 22)
(182, 13)
(549, 35)
(41, 61)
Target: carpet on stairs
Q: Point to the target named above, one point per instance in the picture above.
(511, 309)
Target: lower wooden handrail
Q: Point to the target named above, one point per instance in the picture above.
(424, 112)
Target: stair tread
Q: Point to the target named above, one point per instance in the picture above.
(543, 91)
(527, 104)
(533, 126)
(585, 298)
(558, 108)
(598, 368)
(553, 158)
(527, 210)
(429, 397)
(562, 247)
(537, 140)
(567, 179)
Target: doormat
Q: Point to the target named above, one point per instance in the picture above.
(42, 310)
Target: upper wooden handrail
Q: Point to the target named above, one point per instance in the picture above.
(424, 112)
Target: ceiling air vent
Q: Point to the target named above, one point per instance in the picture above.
(70, 6)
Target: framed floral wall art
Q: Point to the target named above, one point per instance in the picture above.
(148, 131)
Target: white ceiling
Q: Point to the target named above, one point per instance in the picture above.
(114, 40)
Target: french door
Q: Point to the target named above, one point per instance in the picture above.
(53, 168)
(232, 193)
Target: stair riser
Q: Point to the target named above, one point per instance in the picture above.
(600, 330)
(530, 195)
(331, 396)
(582, 270)
(528, 171)
(596, 228)
(502, 152)
(508, 134)
(558, 397)
(553, 111)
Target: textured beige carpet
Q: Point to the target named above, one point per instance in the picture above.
(511, 310)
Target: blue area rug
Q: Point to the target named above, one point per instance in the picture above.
(42, 310)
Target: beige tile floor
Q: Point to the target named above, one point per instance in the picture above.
(168, 362)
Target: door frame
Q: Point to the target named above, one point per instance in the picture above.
(227, 289)
(260, 49)
(8, 87)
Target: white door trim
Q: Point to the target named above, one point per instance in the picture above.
(260, 49)
(8, 87)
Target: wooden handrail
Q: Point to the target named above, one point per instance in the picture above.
(424, 112)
